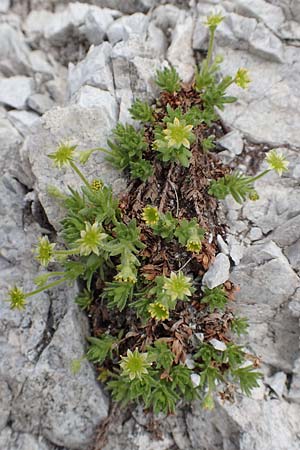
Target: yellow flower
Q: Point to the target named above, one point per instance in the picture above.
(17, 298)
(213, 20)
(178, 134)
(253, 195)
(135, 364)
(178, 286)
(44, 251)
(63, 155)
(96, 185)
(91, 239)
(277, 162)
(242, 78)
(150, 215)
(158, 311)
(194, 245)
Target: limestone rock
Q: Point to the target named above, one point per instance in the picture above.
(218, 272)
(15, 91)
(180, 51)
(40, 103)
(22, 120)
(14, 53)
(233, 142)
(89, 128)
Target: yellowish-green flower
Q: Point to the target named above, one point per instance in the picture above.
(178, 134)
(242, 78)
(277, 161)
(178, 286)
(213, 20)
(96, 185)
(208, 402)
(135, 364)
(17, 298)
(127, 275)
(91, 239)
(150, 215)
(63, 155)
(194, 245)
(158, 311)
(44, 251)
(253, 195)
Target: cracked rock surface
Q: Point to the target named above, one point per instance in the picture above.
(69, 71)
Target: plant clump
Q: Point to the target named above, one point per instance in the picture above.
(159, 337)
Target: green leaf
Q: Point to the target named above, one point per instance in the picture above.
(118, 294)
(239, 325)
(100, 348)
(161, 355)
(141, 111)
(168, 80)
(216, 298)
(247, 378)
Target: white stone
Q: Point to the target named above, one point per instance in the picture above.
(15, 91)
(233, 142)
(94, 70)
(218, 345)
(14, 53)
(122, 28)
(40, 103)
(195, 377)
(271, 15)
(255, 234)
(4, 6)
(180, 51)
(223, 246)
(218, 272)
(278, 383)
(23, 120)
(90, 97)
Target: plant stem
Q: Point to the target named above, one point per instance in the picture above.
(260, 175)
(80, 174)
(210, 47)
(73, 251)
(48, 286)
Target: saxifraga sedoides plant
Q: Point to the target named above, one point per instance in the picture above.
(160, 336)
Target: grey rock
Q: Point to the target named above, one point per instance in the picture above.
(65, 409)
(15, 91)
(180, 51)
(22, 441)
(96, 24)
(40, 103)
(293, 254)
(236, 250)
(264, 99)
(5, 403)
(122, 28)
(267, 282)
(294, 391)
(22, 120)
(233, 142)
(39, 63)
(295, 10)
(77, 18)
(10, 141)
(265, 44)
(255, 234)
(165, 17)
(4, 6)
(94, 70)
(223, 247)
(200, 36)
(235, 31)
(127, 6)
(14, 53)
(218, 272)
(89, 128)
(271, 15)
(89, 97)
(247, 425)
(277, 383)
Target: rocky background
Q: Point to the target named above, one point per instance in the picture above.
(70, 70)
